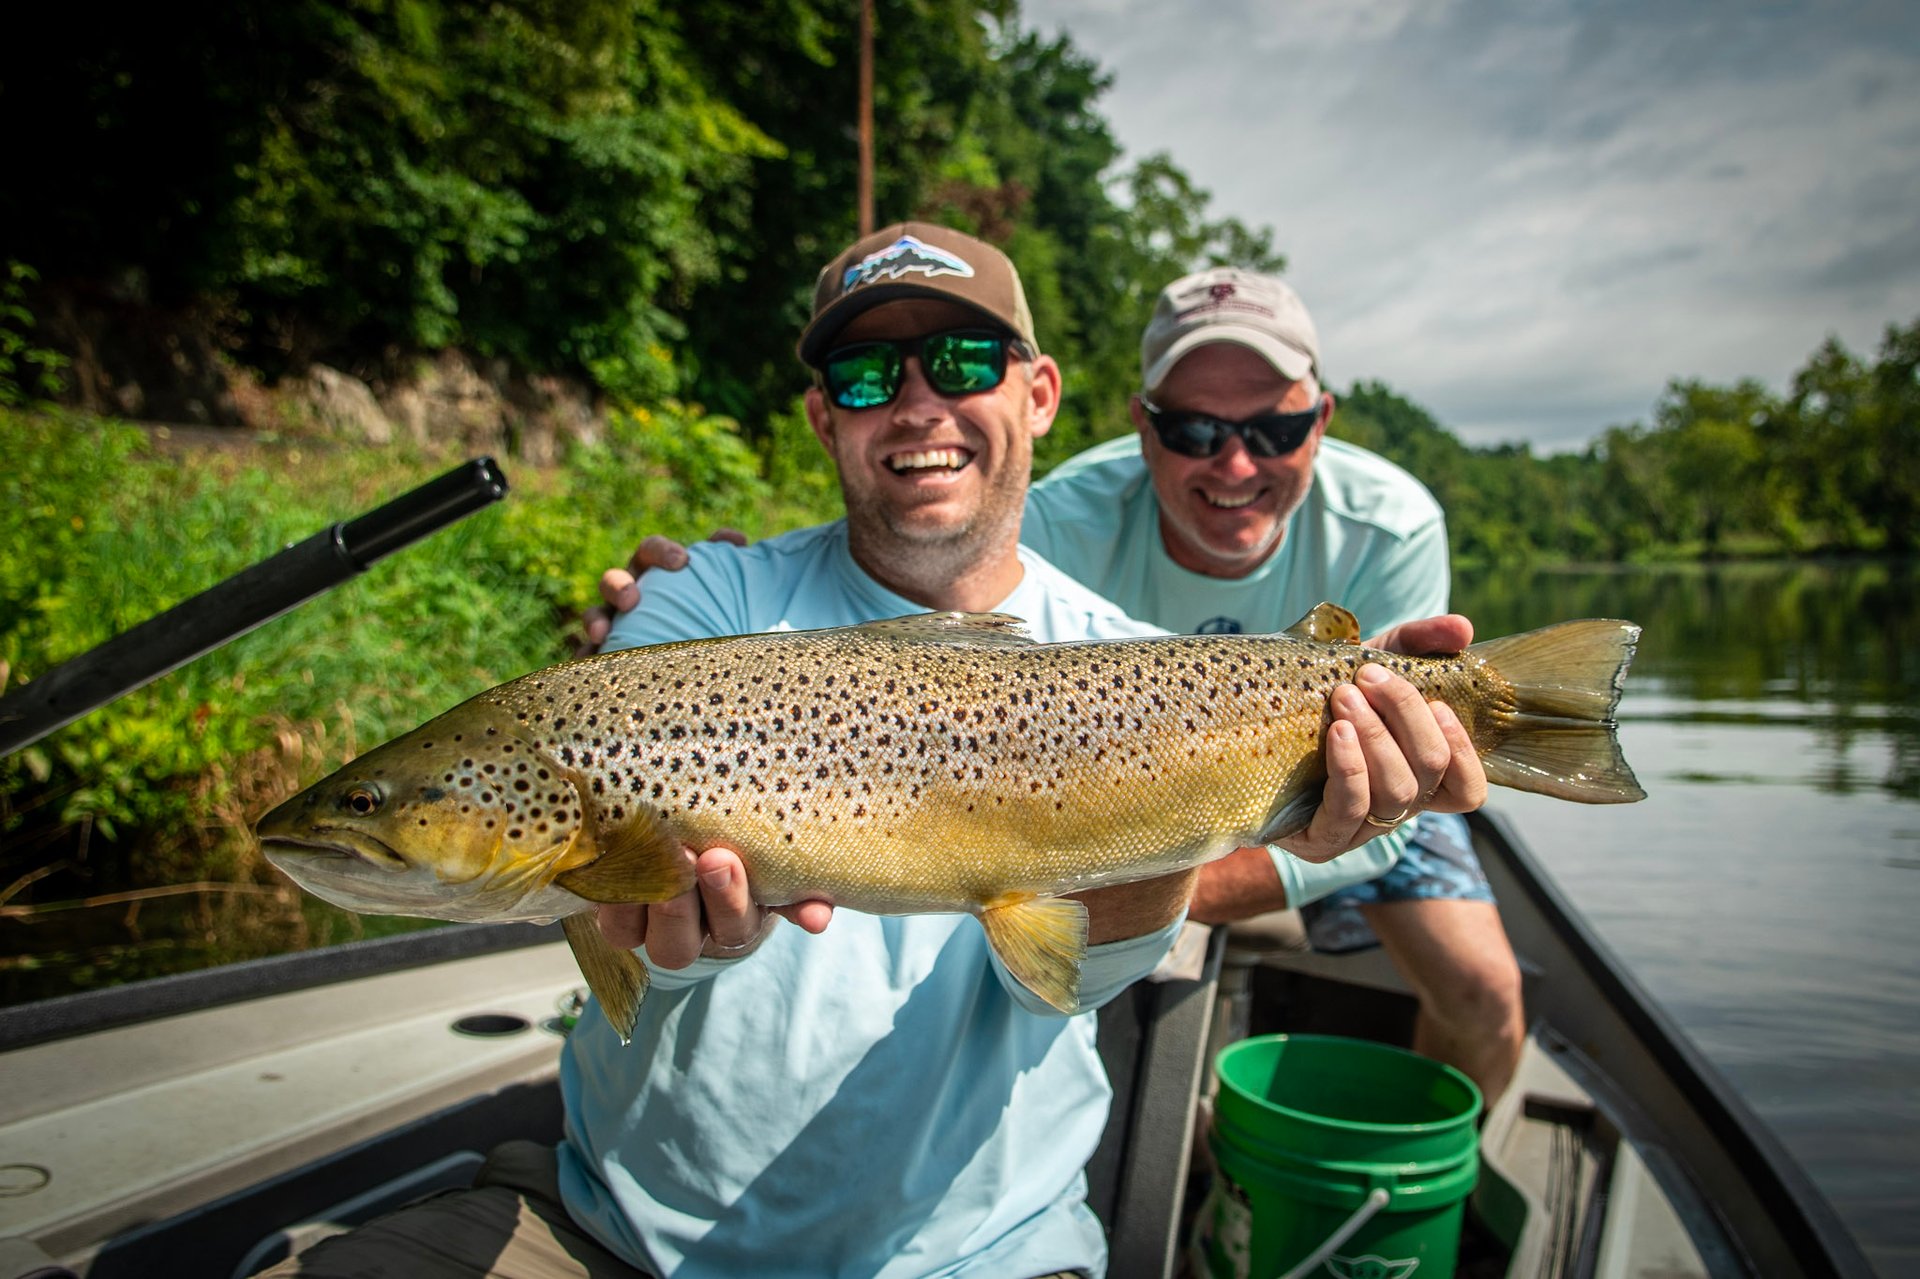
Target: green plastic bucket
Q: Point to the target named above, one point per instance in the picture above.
(1351, 1157)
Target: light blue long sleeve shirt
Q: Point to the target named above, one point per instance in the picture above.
(881, 1099)
(1368, 537)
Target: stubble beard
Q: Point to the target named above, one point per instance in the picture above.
(914, 558)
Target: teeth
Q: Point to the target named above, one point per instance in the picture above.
(1232, 503)
(928, 460)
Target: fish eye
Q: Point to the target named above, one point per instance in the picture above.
(362, 801)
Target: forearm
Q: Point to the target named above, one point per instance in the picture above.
(1240, 885)
(1253, 881)
(1136, 909)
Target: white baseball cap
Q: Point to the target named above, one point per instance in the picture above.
(1228, 304)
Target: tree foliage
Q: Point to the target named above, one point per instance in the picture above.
(640, 194)
(1831, 465)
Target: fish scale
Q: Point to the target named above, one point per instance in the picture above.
(927, 764)
(835, 765)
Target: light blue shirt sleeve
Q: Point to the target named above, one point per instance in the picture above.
(1306, 882)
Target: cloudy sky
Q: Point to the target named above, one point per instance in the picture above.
(1528, 216)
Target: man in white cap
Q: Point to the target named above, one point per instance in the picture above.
(1230, 510)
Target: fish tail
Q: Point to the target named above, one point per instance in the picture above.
(1560, 737)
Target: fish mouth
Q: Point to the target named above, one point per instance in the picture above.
(361, 848)
(946, 459)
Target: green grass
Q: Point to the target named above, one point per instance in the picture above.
(102, 526)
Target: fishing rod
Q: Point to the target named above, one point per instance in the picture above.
(248, 599)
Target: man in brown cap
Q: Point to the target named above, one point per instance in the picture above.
(1230, 510)
(880, 1096)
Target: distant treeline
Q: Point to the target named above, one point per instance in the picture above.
(638, 194)
(1831, 466)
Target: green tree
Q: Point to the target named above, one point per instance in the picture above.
(1714, 454)
(1824, 446)
(1893, 422)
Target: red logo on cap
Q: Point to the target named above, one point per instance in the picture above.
(1220, 292)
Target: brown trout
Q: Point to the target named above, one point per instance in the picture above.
(936, 763)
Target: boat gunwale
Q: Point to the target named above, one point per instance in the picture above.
(1803, 1216)
(65, 1016)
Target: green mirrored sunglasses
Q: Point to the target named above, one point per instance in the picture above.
(866, 375)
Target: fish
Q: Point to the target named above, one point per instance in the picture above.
(934, 763)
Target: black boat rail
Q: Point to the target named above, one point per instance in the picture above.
(248, 599)
(1744, 1173)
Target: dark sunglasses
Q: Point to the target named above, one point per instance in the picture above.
(1203, 435)
(866, 375)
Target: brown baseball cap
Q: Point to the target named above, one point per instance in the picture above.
(915, 260)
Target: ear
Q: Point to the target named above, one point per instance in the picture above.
(820, 418)
(1139, 416)
(1043, 395)
(1326, 418)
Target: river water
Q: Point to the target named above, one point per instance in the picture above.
(1767, 892)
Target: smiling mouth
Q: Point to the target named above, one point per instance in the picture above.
(1230, 503)
(920, 461)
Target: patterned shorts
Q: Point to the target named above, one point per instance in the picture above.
(1439, 864)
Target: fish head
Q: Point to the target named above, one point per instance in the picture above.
(460, 819)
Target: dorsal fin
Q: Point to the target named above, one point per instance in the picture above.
(954, 628)
(1327, 624)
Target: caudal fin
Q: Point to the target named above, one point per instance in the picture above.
(1560, 740)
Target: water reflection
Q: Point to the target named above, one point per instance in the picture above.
(1755, 640)
(1765, 891)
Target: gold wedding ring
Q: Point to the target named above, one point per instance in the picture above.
(1388, 823)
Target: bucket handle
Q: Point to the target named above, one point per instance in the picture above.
(1376, 1200)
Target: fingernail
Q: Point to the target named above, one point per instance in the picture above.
(1371, 674)
(1444, 714)
(1342, 730)
(720, 877)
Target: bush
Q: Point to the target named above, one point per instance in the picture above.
(101, 529)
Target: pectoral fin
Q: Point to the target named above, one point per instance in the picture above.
(637, 859)
(1042, 941)
(616, 977)
(1327, 624)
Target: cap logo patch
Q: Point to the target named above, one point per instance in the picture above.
(1220, 292)
(903, 257)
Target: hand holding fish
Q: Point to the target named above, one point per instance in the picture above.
(718, 919)
(1390, 752)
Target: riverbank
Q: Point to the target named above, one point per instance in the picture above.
(123, 844)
